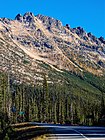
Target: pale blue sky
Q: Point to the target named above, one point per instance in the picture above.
(89, 14)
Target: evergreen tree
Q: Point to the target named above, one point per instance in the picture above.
(102, 112)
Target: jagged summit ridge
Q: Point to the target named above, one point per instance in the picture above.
(27, 17)
(19, 17)
(44, 39)
(51, 22)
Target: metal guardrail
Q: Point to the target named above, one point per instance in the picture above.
(27, 131)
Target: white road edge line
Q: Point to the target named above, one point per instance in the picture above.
(81, 134)
(75, 131)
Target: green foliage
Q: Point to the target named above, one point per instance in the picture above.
(72, 100)
(26, 61)
(44, 65)
(5, 129)
(6, 137)
(98, 82)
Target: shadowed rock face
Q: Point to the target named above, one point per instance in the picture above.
(19, 17)
(50, 22)
(101, 63)
(87, 36)
(79, 31)
(28, 17)
(44, 39)
(102, 40)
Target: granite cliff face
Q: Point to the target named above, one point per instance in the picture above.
(31, 45)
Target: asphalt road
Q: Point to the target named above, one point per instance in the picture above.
(63, 132)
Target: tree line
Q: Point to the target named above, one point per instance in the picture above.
(51, 103)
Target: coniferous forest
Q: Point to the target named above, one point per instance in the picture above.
(51, 103)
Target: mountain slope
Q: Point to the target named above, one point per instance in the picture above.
(29, 41)
(50, 72)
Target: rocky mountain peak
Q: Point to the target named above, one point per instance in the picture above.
(19, 17)
(68, 26)
(27, 17)
(45, 39)
(50, 22)
(93, 38)
(79, 31)
(102, 39)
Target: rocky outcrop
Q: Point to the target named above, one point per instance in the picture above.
(68, 26)
(50, 22)
(87, 36)
(93, 38)
(80, 32)
(19, 17)
(102, 39)
(28, 17)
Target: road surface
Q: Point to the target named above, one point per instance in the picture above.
(63, 132)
